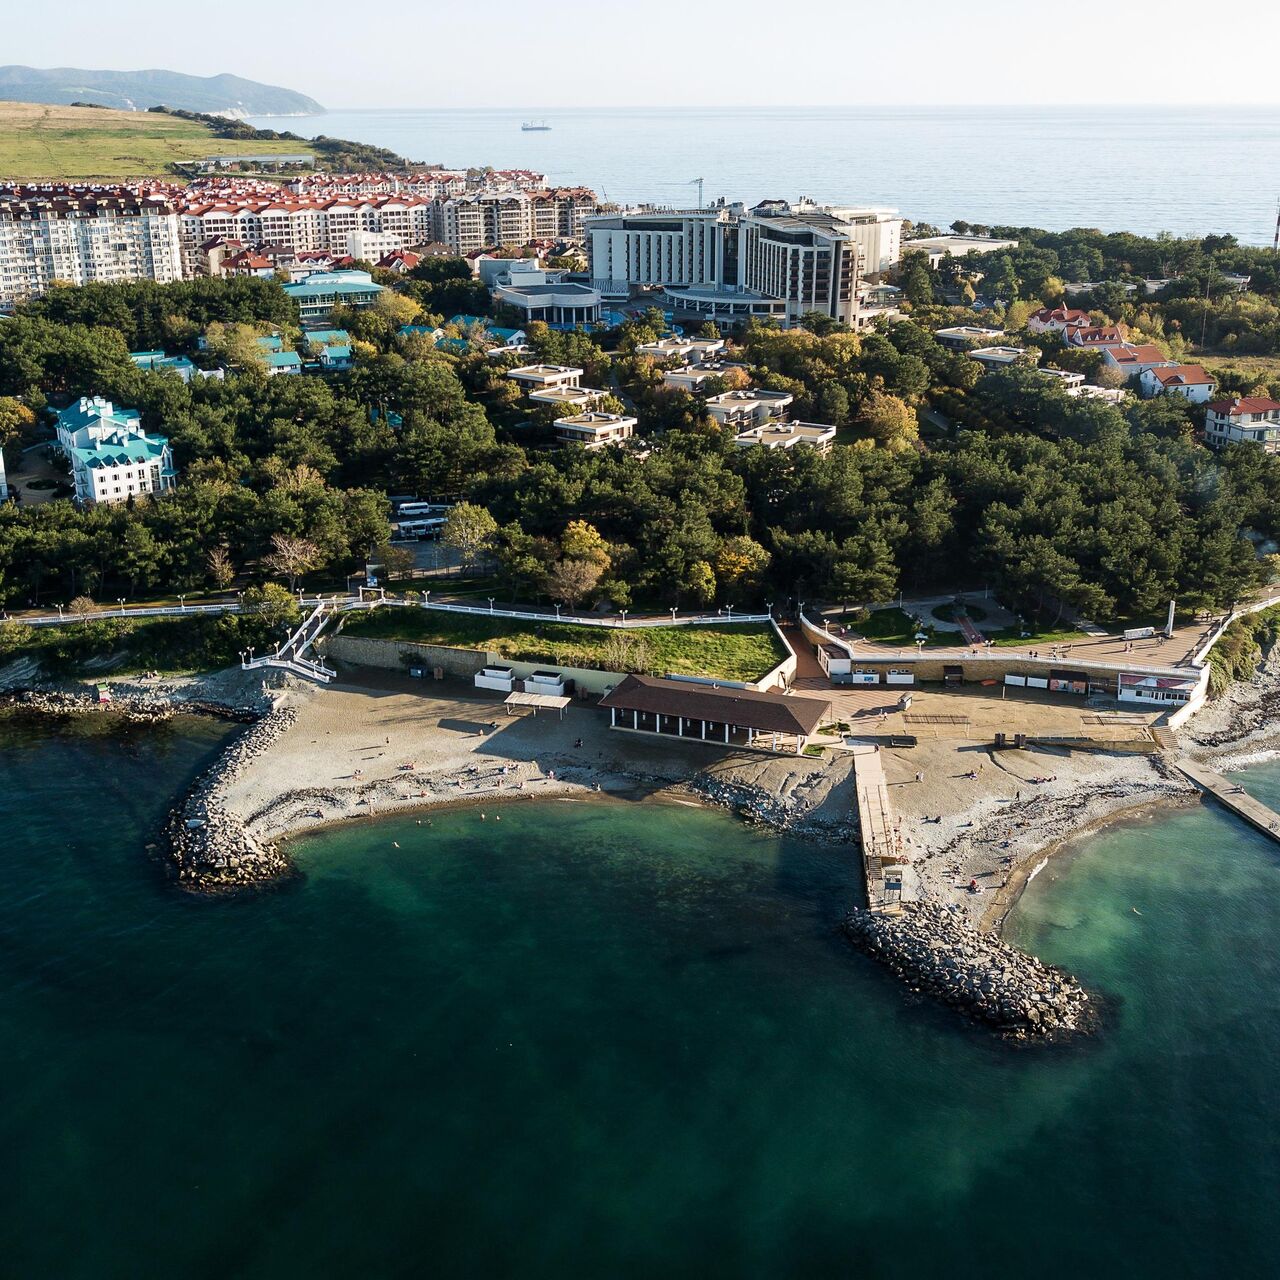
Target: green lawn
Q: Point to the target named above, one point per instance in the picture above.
(38, 140)
(736, 651)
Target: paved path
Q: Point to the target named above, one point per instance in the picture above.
(1232, 796)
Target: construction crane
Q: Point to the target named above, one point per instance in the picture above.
(698, 183)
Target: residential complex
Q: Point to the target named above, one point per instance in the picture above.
(84, 238)
(112, 458)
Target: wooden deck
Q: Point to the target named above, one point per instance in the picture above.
(883, 865)
(1232, 796)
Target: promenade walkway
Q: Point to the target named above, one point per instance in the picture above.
(1232, 796)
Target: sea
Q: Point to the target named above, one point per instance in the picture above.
(1185, 170)
(605, 1038)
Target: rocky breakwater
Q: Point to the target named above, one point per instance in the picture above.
(36, 702)
(938, 955)
(209, 849)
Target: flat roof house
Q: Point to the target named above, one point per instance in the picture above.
(1251, 420)
(786, 435)
(960, 336)
(999, 357)
(685, 349)
(533, 377)
(693, 378)
(723, 717)
(751, 408)
(318, 293)
(595, 430)
(568, 397)
(1189, 381)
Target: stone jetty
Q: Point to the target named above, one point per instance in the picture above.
(209, 849)
(938, 955)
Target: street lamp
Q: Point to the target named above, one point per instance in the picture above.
(59, 613)
(490, 604)
(624, 617)
(182, 603)
(673, 613)
(120, 602)
(730, 608)
(558, 608)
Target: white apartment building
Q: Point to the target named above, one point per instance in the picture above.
(786, 435)
(1190, 381)
(371, 246)
(1251, 420)
(484, 219)
(82, 238)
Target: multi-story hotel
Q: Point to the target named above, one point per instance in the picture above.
(79, 238)
(726, 263)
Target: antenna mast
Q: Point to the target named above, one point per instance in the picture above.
(1275, 244)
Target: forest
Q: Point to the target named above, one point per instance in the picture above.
(942, 477)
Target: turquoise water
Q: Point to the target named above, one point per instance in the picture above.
(604, 1039)
(1145, 169)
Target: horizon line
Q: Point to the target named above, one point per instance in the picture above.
(810, 106)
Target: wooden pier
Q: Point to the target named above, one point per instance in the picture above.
(883, 866)
(1232, 796)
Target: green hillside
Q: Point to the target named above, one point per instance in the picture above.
(40, 141)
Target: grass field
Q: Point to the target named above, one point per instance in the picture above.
(42, 141)
(1260, 368)
(740, 651)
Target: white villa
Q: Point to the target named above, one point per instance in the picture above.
(786, 435)
(1189, 381)
(1251, 420)
(595, 430)
(752, 408)
(538, 377)
(112, 458)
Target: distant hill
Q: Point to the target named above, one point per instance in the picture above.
(138, 90)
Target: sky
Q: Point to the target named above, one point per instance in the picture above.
(504, 53)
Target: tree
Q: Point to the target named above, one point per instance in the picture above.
(582, 541)
(700, 582)
(573, 580)
(890, 421)
(740, 563)
(470, 531)
(14, 417)
(272, 604)
(627, 651)
(396, 561)
(81, 607)
(290, 558)
(220, 570)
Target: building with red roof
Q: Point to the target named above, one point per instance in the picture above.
(1251, 420)
(1189, 381)
(1058, 319)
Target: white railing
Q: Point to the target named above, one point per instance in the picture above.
(616, 623)
(144, 611)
